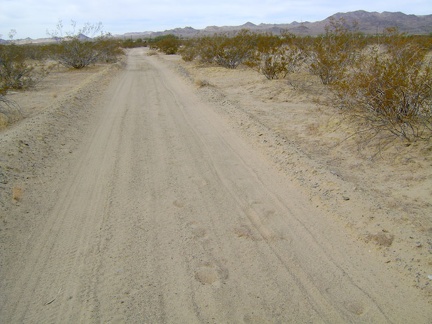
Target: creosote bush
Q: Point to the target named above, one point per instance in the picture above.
(390, 86)
(17, 74)
(86, 46)
(168, 44)
(385, 80)
(133, 43)
(15, 71)
(22, 66)
(333, 53)
(221, 49)
(275, 57)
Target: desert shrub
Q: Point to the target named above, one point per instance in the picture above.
(188, 53)
(273, 63)
(14, 74)
(275, 56)
(10, 112)
(15, 71)
(133, 43)
(84, 47)
(168, 44)
(230, 52)
(390, 86)
(108, 49)
(334, 52)
(267, 57)
(206, 48)
(189, 50)
(76, 53)
(221, 49)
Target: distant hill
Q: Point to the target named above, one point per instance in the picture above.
(368, 22)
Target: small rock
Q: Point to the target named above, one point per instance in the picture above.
(345, 198)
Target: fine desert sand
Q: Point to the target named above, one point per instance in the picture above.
(157, 190)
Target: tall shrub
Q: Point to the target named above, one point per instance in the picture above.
(86, 46)
(334, 52)
(391, 86)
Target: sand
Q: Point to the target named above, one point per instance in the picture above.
(156, 190)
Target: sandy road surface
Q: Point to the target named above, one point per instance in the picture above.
(167, 216)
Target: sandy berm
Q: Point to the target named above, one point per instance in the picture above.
(136, 200)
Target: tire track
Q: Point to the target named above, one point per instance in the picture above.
(168, 216)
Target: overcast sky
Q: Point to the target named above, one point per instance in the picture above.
(32, 18)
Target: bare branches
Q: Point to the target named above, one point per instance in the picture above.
(81, 47)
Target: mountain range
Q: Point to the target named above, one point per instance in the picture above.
(368, 23)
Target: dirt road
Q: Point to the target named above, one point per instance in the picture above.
(167, 216)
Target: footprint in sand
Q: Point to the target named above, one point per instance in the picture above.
(208, 274)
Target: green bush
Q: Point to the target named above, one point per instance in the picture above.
(133, 43)
(230, 52)
(168, 44)
(189, 51)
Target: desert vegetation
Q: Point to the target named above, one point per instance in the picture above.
(23, 66)
(168, 44)
(19, 70)
(85, 46)
(384, 80)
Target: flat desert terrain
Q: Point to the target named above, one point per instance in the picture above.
(161, 191)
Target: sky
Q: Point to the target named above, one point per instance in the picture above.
(33, 18)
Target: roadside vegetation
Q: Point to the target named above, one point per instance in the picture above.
(385, 80)
(168, 44)
(23, 66)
